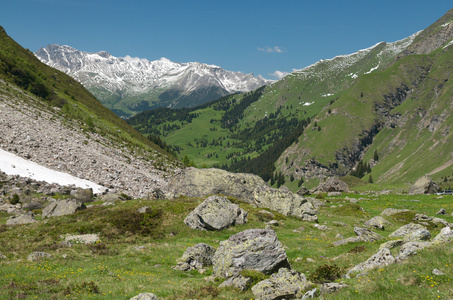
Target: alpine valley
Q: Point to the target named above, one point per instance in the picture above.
(331, 183)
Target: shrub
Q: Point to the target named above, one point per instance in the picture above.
(14, 199)
(325, 273)
(132, 222)
(256, 276)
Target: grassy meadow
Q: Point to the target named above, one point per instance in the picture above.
(136, 252)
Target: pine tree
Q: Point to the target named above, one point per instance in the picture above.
(370, 179)
(376, 156)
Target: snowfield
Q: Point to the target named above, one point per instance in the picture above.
(12, 164)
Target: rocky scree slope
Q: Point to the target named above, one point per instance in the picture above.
(129, 85)
(55, 122)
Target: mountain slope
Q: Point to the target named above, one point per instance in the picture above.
(128, 85)
(403, 113)
(49, 118)
(232, 131)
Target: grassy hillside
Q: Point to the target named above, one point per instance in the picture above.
(403, 113)
(136, 254)
(58, 92)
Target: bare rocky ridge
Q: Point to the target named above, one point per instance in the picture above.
(46, 138)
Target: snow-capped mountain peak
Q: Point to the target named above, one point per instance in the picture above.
(134, 81)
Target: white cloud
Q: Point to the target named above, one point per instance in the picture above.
(278, 74)
(275, 49)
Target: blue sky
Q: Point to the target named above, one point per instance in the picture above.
(251, 36)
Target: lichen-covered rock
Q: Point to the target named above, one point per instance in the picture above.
(411, 248)
(382, 258)
(62, 208)
(286, 284)
(240, 282)
(194, 182)
(145, 296)
(377, 222)
(284, 202)
(253, 249)
(37, 256)
(444, 236)
(91, 238)
(417, 236)
(26, 218)
(216, 213)
(424, 185)
(196, 257)
(406, 229)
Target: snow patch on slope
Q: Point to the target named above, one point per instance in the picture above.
(12, 164)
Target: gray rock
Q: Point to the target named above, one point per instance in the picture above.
(406, 229)
(111, 197)
(286, 284)
(315, 202)
(216, 213)
(62, 208)
(82, 238)
(334, 194)
(417, 236)
(441, 211)
(377, 222)
(83, 195)
(424, 185)
(332, 184)
(437, 272)
(382, 258)
(349, 240)
(284, 202)
(253, 249)
(27, 218)
(145, 296)
(37, 256)
(367, 235)
(331, 287)
(392, 211)
(2, 256)
(240, 282)
(196, 257)
(444, 236)
(142, 210)
(194, 182)
(411, 248)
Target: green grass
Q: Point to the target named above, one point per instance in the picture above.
(113, 269)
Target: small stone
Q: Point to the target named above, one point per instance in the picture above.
(438, 272)
(145, 296)
(441, 212)
(37, 256)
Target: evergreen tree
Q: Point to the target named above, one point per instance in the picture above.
(376, 156)
(370, 179)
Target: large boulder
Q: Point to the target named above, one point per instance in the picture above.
(194, 182)
(332, 184)
(62, 208)
(284, 202)
(377, 222)
(83, 195)
(196, 257)
(253, 249)
(286, 284)
(216, 213)
(411, 248)
(382, 258)
(424, 185)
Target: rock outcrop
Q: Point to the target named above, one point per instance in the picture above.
(216, 213)
(196, 257)
(192, 182)
(382, 258)
(424, 185)
(253, 249)
(286, 284)
(26, 218)
(62, 208)
(332, 184)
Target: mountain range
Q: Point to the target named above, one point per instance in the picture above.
(128, 85)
